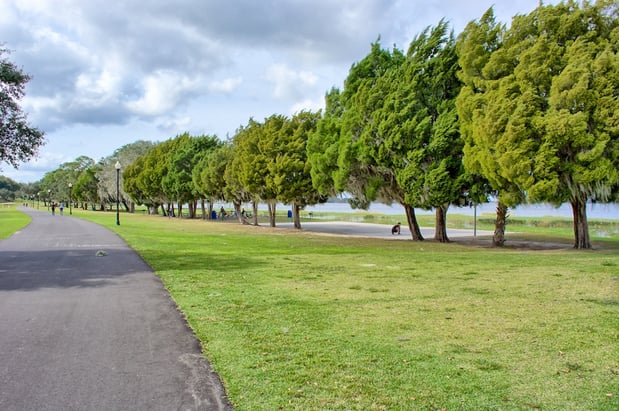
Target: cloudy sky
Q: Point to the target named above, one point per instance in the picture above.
(106, 73)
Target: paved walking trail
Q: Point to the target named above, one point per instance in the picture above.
(86, 325)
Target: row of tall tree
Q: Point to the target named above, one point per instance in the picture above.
(526, 113)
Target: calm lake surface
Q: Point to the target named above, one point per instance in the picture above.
(608, 211)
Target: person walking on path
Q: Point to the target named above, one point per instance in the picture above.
(87, 325)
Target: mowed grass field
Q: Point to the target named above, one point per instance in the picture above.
(298, 321)
(11, 220)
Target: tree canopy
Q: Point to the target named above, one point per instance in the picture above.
(19, 142)
(539, 110)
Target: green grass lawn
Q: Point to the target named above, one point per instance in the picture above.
(11, 221)
(299, 321)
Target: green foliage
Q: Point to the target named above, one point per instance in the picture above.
(55, 184)
(532, 105)
(19, 142)
(106, 171)
(8, 189)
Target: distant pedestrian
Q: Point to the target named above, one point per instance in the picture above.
(61, 207)
(396, 229)
(53, 208)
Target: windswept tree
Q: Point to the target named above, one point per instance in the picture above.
(323, 145)
(414, 132)
(291, 169)
(209, 176)
(249, 164)
(143, 180)
(341, 149)
(256, 146)
(543, 107)
(481, 122)
(19, 142)
(178, 182)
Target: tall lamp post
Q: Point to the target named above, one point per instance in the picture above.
(49, 198)
(70, 199)
(38, 199)
(117, 166)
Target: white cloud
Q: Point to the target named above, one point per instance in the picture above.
(226, 86)
(162, 92)
(121, 71)
(175, 125)
(288, 83)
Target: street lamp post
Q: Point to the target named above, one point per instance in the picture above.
(49, 198)
(70, 199)
(117, 166)
(38, 199)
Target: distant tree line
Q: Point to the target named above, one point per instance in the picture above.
(525, 114)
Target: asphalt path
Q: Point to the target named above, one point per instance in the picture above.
(85, 324)
(354, 229)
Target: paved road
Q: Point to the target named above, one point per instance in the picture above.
(85, 332)
(376, 230)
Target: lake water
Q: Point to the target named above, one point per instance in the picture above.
(607, 211)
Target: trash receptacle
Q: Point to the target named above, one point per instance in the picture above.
(214, 215)
(289, 213)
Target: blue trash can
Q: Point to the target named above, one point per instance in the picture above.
(289, 213)
(214, 215)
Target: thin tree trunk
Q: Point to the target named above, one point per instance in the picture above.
(237, 211)
(203, 208)
(498, 240)
(296, 215)
(254, 206)
(440, 227)
(272, 212)
(210, 210)
(413, 225)
(581, 225)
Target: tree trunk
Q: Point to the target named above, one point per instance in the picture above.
(203, 208)
(413, 225)
(210, 210)
(498, 240)
(440, 227)
(254, 206)
(296, 215)
(272, 212)
(238, 213)
(581, 225)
